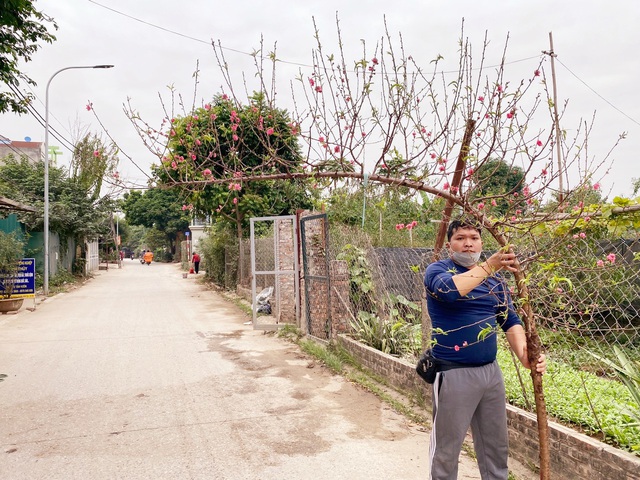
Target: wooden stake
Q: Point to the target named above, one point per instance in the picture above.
(455, 187)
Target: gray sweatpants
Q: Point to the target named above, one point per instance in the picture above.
(466, 397)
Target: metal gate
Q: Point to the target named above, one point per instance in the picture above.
(314, 231)
(275, 283)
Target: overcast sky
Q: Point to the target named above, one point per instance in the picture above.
(596, 42)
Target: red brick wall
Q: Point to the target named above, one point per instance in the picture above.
(574, 456)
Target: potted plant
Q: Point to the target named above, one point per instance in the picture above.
(11, 252)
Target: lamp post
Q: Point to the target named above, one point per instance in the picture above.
(46, 172)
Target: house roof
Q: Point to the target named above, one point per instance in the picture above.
(8, 204)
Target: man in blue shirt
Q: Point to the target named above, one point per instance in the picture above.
(467, 302)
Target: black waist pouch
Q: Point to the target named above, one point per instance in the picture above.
(427, 367)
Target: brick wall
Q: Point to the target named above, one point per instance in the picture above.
(573, 455)
(286, 306)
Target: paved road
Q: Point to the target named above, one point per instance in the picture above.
(141, 374)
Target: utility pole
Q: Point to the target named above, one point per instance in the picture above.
(556, 117)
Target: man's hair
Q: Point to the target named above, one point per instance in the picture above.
(462, 223)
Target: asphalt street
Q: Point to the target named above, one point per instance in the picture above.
(142, 374)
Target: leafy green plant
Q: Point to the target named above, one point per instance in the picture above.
(581, 398)
(629, 374)
(215, 251)
(360, 280)
(11, 252)
(394, 337)
(404, 309)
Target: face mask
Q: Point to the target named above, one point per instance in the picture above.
(466, 259)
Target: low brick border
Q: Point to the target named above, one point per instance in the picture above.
(573, 455)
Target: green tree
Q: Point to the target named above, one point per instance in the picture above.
(387, 214)
(135, 237)
(222, 139)
(92, 161)
(72, 213)
(160, 209)
(499, 182)
(21, 28)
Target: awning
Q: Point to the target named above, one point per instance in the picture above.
(8, 204)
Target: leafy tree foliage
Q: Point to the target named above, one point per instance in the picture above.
(388, 214)
(135, 235)
(92, 161)
(157, 208)
(501, 184)
(21, 28)
(222, 137)
(72, 213)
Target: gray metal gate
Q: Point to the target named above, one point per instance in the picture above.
(274, 269)
(314, 230)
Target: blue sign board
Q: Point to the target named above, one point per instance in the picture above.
(24, 280)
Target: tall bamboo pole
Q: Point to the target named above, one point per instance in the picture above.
(556, 119)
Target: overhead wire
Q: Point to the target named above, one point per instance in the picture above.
(40, 119)
(250, 54)
(57, 135)
(596, 93)
(189, 37)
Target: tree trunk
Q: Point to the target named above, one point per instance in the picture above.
(534, 349)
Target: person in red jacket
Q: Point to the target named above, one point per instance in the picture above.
(196, 262)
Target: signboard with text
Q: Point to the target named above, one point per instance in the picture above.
(24, 280)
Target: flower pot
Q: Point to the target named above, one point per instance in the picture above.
(10, 304)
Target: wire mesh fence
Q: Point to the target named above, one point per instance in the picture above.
(585, 293)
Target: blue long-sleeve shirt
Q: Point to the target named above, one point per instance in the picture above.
(458, 320)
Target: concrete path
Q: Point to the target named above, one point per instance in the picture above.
(141, 374)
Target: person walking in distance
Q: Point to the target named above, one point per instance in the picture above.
(195, 258)
(467, 302)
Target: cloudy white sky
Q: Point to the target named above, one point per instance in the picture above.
(596, 42)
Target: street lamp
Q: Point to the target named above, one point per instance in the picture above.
(46, 172)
